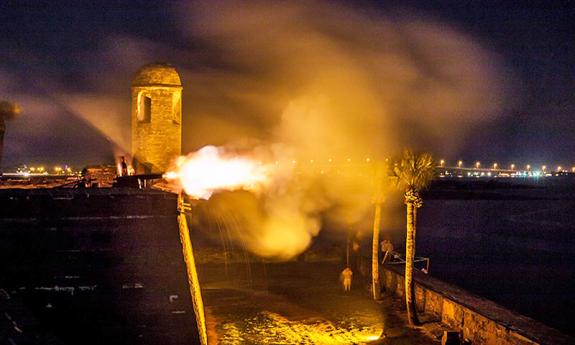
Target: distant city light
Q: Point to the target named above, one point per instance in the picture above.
(493, 170)
(28, 170)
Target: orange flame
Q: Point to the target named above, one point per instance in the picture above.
(202, 173)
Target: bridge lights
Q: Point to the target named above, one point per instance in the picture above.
(459, 163)
(512, 167)
(442, 163)
(477, 165)
(494, 165)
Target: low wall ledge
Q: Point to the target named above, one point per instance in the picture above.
(531, 330)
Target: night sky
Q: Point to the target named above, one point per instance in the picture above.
(69, 64)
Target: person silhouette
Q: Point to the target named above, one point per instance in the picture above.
(345, 277)
(124, 167)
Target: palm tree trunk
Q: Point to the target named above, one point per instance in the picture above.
(409, 256)
(193, 281)
(375, 287)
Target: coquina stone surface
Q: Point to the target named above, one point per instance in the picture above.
(156, 118)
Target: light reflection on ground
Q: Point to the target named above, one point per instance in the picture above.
(272, 328)
(295, 303)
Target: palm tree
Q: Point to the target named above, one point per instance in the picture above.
(8, 111)
(381, 181)
(414, 173)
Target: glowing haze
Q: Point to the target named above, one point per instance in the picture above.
(303, 81)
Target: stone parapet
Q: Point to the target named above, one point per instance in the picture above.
(481, 321)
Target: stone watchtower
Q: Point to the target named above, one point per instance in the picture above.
(156, 118)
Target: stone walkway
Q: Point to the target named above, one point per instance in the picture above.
(300, 303)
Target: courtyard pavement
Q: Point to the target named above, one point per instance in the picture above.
(301, 303)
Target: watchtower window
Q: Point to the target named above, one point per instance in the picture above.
(145, 113)
(176, 109)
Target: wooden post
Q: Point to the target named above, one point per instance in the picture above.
(193, 281)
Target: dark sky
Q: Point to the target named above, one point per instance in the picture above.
(50, 49)
(537, 42)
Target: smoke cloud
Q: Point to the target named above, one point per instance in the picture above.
(325, 87)
(322, 84)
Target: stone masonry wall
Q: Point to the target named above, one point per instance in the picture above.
(156, 143)
(481, 321)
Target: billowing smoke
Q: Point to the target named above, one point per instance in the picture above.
(326, 87)
(309, 73)
(321, 84)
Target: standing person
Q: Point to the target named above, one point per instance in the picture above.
(386, 249)
(345, 277)
(124, 167)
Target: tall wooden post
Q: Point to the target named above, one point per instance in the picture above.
(193, 281)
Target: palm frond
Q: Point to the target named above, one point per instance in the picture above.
(415, 170)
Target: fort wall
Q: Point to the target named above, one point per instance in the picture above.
(481, 321)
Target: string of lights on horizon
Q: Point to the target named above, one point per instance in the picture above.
(510, 169)
(443, 164)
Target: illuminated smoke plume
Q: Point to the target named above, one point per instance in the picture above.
(319, 82)
(307, 82)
